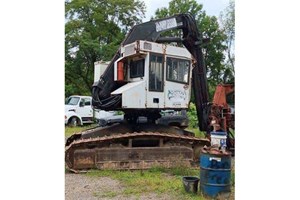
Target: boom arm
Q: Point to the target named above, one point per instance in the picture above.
(151, 31)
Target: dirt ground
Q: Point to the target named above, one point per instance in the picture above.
(82, 187)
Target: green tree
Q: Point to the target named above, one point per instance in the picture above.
(228, 25)
(192, 116)
(209, 26)
(94, 30)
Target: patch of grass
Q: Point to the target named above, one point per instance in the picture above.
(103, 194)
(155, 180)
(184, 171)
(72, 130)
(180, 168)
(157, 169)
(197, 132)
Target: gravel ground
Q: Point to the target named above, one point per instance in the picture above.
(82, 187)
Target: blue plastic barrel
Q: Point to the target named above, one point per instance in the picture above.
(215, 172)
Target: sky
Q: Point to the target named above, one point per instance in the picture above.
(211, 7)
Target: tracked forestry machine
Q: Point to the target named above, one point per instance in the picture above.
(146, 76)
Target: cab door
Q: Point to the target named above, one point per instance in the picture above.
(178, 83)
(85, 110)
(155, 95)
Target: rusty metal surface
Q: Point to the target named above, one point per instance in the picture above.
(117, 151)
(129, 158)
(221, 92)
(123, 128)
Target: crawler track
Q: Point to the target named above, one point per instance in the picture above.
(136, 150)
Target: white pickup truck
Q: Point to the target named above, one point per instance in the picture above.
(78, 111)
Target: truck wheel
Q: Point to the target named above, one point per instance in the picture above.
(102, 122)
(73, 122)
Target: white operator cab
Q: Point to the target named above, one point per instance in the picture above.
(157, 76)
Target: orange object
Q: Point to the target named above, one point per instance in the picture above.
(220, 94)
(220, 111)
(120, 68)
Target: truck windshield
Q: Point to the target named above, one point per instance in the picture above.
(72, 101)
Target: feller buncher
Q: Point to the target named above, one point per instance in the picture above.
(147, 75)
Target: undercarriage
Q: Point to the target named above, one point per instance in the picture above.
(124, 146)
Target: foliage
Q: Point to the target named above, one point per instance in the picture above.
(228, 25)
(94, 30)
(193, 121)
(192, 115)
(197, 132)
(232, 131)
(208, 25)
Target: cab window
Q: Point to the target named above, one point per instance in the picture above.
(178, 70)
(137, 68)
(156, 73)
(85, 102)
